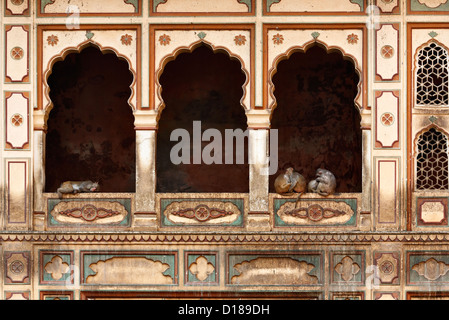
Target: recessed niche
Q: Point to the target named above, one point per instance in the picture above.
(316, 117)
(205, 86)
(91, 132)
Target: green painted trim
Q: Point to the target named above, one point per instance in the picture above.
(270, 2)
(156, 3)
(44, 4)
(416, 6)
(247, 2)
(361, 3)
(134, 3)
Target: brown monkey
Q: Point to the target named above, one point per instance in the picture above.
(324, 183)
(77, 186)
(290, 181)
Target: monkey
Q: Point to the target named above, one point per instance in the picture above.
(290, 181)
(324, 183)
(77, 186)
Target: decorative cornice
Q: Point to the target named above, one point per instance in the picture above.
(227, 238)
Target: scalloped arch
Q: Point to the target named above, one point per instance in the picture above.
(415, 145)
(422, 131)
(64, 53)
(415, 64)
(286, 55)
(190, 49)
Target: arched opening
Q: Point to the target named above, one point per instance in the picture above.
(205, 86)
(432, 77)
(316, 117)
(91, 132)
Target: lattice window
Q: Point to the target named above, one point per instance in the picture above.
(432, 76)
(432, 161)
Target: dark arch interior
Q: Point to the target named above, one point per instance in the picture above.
(317, 121)
(91, 132)
(201, 86)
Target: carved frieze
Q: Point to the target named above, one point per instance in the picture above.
(307, 212)
(202, 212)
(89, 212)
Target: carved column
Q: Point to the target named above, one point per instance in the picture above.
(146, 129)
(39, 133)
(259, 213)
(367, 162)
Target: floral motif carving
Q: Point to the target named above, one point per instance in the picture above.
(353, 38)
(387, 51)
(240, 40)
(164, 39)
(17, 267)
(17, 53)
(52, 40)
(387, 119)
(388, 267)
(126, 39)
(16, 120)
(278, 39)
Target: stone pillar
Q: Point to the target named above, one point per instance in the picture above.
(145, 197)
(366, 169)
(259, 213)
(39, 160)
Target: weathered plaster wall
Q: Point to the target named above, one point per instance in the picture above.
(384, 239)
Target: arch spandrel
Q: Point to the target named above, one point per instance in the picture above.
(237, 44)
(282, 43)
(58, 42)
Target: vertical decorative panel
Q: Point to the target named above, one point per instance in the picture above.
(17, 132)
(17, 197)
(387, 193)
(387, 119)
(387, 48)
(16, 53)
(17, 8)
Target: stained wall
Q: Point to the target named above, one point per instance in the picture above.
(379, 72)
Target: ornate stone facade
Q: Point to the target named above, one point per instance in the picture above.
(309, 69)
